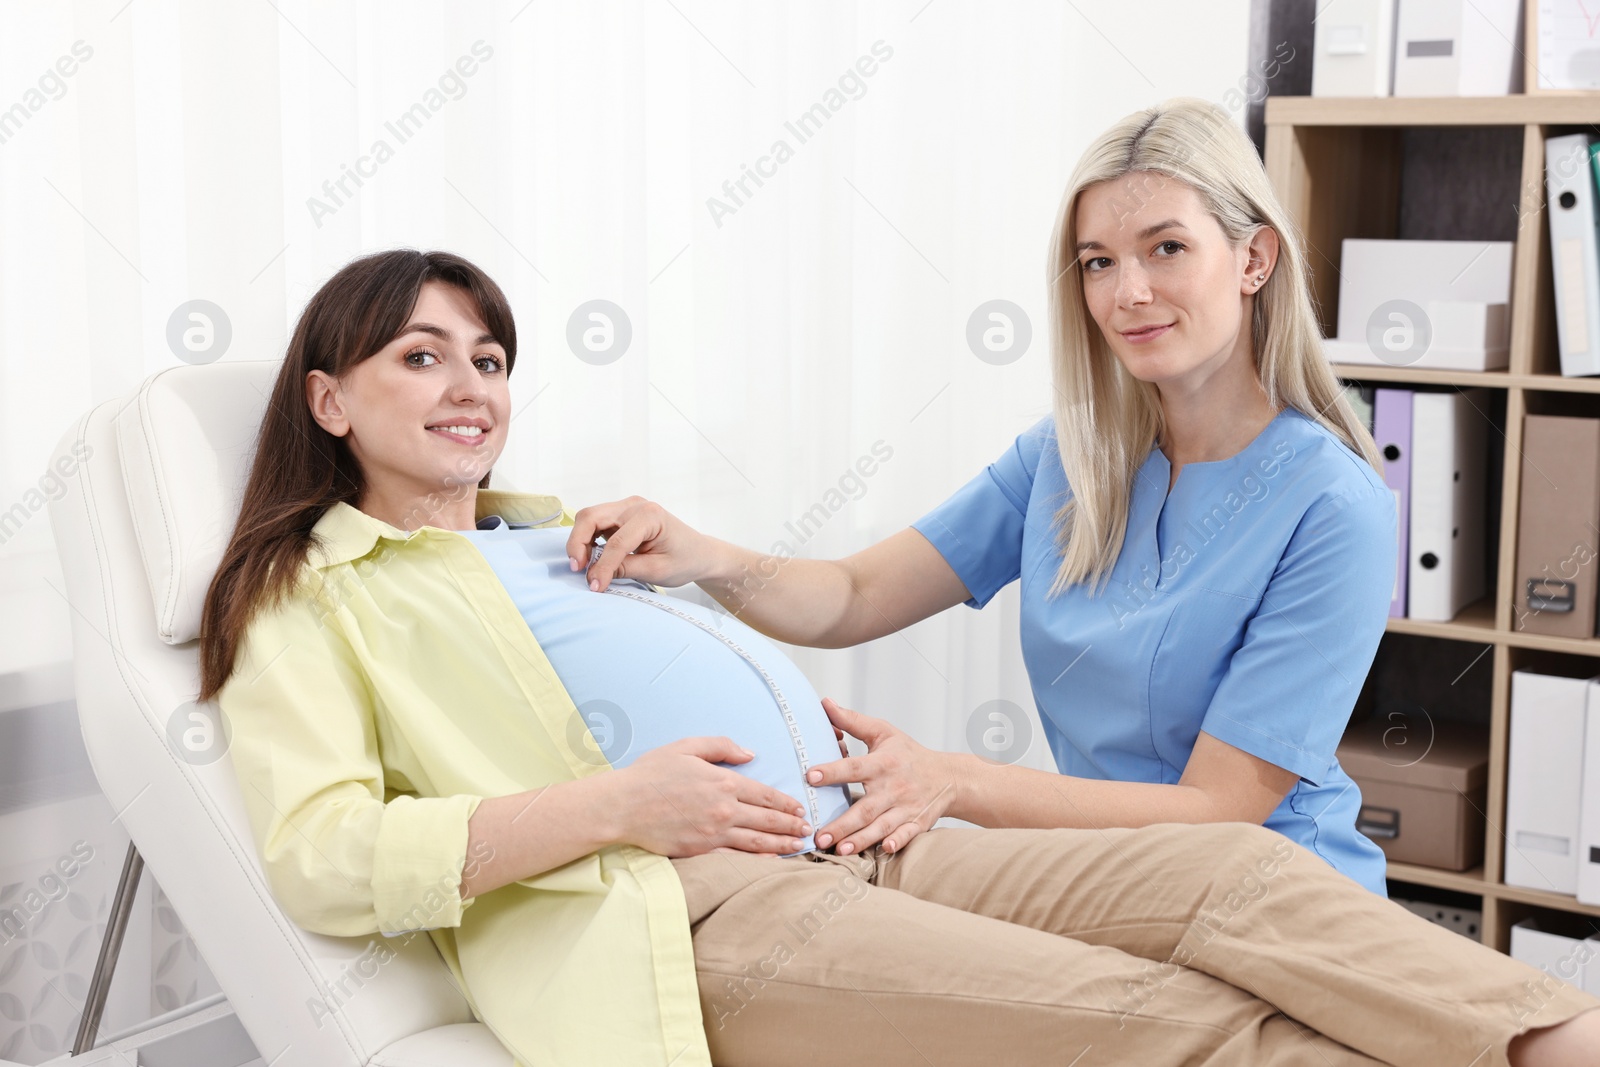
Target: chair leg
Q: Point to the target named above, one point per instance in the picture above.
(110, 946)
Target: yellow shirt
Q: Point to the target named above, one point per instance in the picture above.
(368, 716)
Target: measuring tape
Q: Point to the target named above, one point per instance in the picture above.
(795, 736)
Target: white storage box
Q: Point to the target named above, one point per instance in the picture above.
(1458, 48)
(1439, 304)
(1354, 46)
(1575, 961)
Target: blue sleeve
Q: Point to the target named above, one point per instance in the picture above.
(1288, 691)
(978, 530)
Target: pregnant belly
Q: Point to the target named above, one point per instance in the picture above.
(647, 668)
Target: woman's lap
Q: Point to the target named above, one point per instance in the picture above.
(793, 949)
(1125, 936)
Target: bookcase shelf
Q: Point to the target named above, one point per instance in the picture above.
(1457, 881)
(1336, 166)
(1474, 623)
(1521, 109)
(1554, 901)
(1472, 882)
(1494, 379)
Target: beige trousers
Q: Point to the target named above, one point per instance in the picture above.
(1173, 944)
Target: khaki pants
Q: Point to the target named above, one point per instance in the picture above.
(1173, 944)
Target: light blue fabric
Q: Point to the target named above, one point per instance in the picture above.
(1249, 604)
(641, 676)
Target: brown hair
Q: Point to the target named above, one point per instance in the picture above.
(301, 470)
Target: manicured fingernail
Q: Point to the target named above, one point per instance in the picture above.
(798, 810)
(824, 840)
(796, 846)
(747, 752)
(889, 845)
(813, 776)
(572, 563)
(846, 848)
(805, 828)
(594, 584)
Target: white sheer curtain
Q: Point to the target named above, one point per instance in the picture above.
(197, 151)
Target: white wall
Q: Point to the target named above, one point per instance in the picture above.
(769, 352)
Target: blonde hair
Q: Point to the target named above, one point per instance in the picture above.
(1106, 419)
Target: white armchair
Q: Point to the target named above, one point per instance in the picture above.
(155, 481)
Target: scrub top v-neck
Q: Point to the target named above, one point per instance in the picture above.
(1247, 602)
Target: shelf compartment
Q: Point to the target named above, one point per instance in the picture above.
(1458, 881)
(1474, 882)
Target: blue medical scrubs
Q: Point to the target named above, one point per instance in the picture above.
(1248, 602)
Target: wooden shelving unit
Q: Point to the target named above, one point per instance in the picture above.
(1336, 166)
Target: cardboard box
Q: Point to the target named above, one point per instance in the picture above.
(1556, 522)
(1422, 797)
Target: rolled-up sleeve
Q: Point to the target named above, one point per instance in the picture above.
(298, 715)
(978, 530)
(1289, 690)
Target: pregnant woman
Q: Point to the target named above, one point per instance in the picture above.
(401, 654)
(1204, 540)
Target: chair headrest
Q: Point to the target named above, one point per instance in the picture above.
(187, 440)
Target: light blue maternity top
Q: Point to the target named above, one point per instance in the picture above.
(645, 668)
(1248, 603)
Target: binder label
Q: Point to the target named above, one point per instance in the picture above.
(1574, 309)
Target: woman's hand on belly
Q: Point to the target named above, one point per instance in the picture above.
(908, 786)
(674, 801)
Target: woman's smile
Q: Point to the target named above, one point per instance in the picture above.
(1146, 333)
(470, 432)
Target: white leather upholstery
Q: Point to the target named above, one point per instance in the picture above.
(185, 457)
(467, 1043)
(175, 455)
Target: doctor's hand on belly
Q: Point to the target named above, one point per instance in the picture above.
(885, 587)
(650, 545)
(908, 787)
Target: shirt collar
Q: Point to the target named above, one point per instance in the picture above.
(345, 532)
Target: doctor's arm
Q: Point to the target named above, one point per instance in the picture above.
(885, 587)
(1276, 716)
(910, 787)
(1220, 783)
